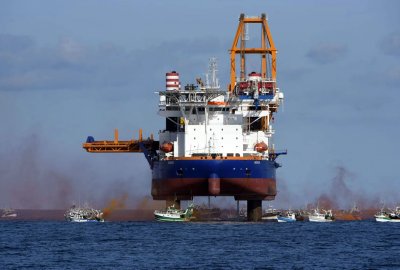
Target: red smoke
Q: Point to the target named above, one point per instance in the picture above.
(31, 180)
(341, 196)
(114, 204)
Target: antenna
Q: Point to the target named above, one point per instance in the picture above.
(211, 78)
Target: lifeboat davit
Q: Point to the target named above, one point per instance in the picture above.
(167, 147)
(260, 147)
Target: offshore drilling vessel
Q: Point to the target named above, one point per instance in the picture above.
(216, 142)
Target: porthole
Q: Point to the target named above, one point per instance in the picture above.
(248, 172)
(179, 172)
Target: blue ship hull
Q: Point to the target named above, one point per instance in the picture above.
(244, 179)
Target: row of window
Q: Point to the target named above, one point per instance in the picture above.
(201, 109)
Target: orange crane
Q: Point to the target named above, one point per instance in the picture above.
(267, 47)
(147, 146)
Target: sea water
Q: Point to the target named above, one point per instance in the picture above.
(198, 245)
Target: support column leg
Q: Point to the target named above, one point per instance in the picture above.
(254, 210)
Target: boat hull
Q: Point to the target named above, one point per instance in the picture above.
(9, 216)
(85, 220)
(244, 179)
(170, 219)
(270, 217)
(384, 219)
(286, 219)
(318, 219)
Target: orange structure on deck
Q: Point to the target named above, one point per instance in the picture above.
(116, 146)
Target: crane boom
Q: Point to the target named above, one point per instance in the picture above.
(117, 146)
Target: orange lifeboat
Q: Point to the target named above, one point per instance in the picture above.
(167, 147)
(260, 147)
(216, 103)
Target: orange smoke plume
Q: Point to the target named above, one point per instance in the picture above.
(148, 203)
(114, 204)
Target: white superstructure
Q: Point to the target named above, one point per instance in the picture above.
(202, 119)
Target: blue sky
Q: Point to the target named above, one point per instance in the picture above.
(69, 69)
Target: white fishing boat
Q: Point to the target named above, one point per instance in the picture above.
(317, 216)
(388, 216)
(270, 214)
(289, 216)
(174, 214)
(8, 213)
(83, 214)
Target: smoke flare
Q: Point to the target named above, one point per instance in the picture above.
(114, 204)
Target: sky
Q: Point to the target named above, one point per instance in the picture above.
(69, 69)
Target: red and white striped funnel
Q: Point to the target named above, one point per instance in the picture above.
(172, 79)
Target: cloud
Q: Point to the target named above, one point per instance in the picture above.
(13, 43)
(389, 77)
(294, 73)
(393, 75)
(326, 53)
(391, 44)
(70, 50)
(72, 65)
